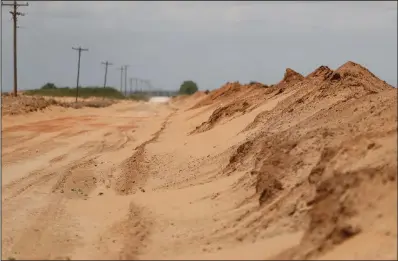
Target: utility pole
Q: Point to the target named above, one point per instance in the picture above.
(136, 84)
(142, 89)
(146, 84)
(106, 70)
(125, 80)
(131, 85)
(15, 14)
(149, 85)
(78, 69)
(121, 78)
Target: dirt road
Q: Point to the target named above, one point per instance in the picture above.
(116, 183)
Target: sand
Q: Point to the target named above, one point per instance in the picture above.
(303, 169)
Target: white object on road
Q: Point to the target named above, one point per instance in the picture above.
(159, 99)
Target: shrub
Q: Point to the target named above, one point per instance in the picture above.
(48, 85)
(188, 88)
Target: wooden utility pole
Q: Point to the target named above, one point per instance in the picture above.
(106, 70)
(125, 80)
(15, 15)
(121, 78)
(78, 69)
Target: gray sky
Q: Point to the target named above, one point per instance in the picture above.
(207, 42)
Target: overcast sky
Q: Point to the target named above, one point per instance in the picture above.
(207, 42)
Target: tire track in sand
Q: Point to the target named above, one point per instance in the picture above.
(133, 231)
(50, 226)
(135, 168)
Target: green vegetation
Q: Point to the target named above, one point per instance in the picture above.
(188, 88)
(48, 85)
(49, 89)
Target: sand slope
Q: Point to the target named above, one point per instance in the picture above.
(303, 169)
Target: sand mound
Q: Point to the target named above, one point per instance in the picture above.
(325, 168)
(321, 73)
(24, 104)
(320, 90)
(349, 81)
(290, 78)
(221, 113)
(198, 95)
(341, 206)
(246, 99)
(319, 151)
(188, 100)
(179, 99)
(234, 95)
(233, 100)
(227, 92)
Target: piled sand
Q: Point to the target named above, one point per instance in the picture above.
(322, 161)
(228, 92)
(314, 157)
(233, 100)
(23, 104)
(290, 78)
(221, 113)
(185, 100)
(324, 158)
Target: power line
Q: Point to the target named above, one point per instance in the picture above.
(106, 70)
(78, 69)
(15, 14)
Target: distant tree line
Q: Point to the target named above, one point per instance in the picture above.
(186, 88)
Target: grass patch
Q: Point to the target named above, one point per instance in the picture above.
(84, 92)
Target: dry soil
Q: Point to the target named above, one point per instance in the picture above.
(303, 169)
